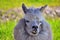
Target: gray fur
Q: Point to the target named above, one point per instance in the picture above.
(23, 30)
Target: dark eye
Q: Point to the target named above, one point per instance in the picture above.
(27, 21)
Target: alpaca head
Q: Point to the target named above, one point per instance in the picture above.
(33, 19)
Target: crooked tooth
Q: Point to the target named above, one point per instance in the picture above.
(34, 31)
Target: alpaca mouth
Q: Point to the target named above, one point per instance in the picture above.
(34, 31)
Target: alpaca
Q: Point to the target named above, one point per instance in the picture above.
(33, 26)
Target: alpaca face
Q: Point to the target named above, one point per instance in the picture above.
(33, 24)
(33, 20)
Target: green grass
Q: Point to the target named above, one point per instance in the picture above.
(6, 30)
(7, 4)
(55, 25)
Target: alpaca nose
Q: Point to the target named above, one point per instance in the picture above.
(35, 27)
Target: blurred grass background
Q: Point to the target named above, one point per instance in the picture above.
(7, 27)
(7, 4)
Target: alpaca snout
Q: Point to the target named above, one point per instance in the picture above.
(35, 27)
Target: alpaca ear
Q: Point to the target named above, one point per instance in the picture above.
(42, 8)
(24, 8)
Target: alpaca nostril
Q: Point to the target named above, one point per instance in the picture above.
(34, 26)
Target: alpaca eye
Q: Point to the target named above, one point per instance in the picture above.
(27, 21)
